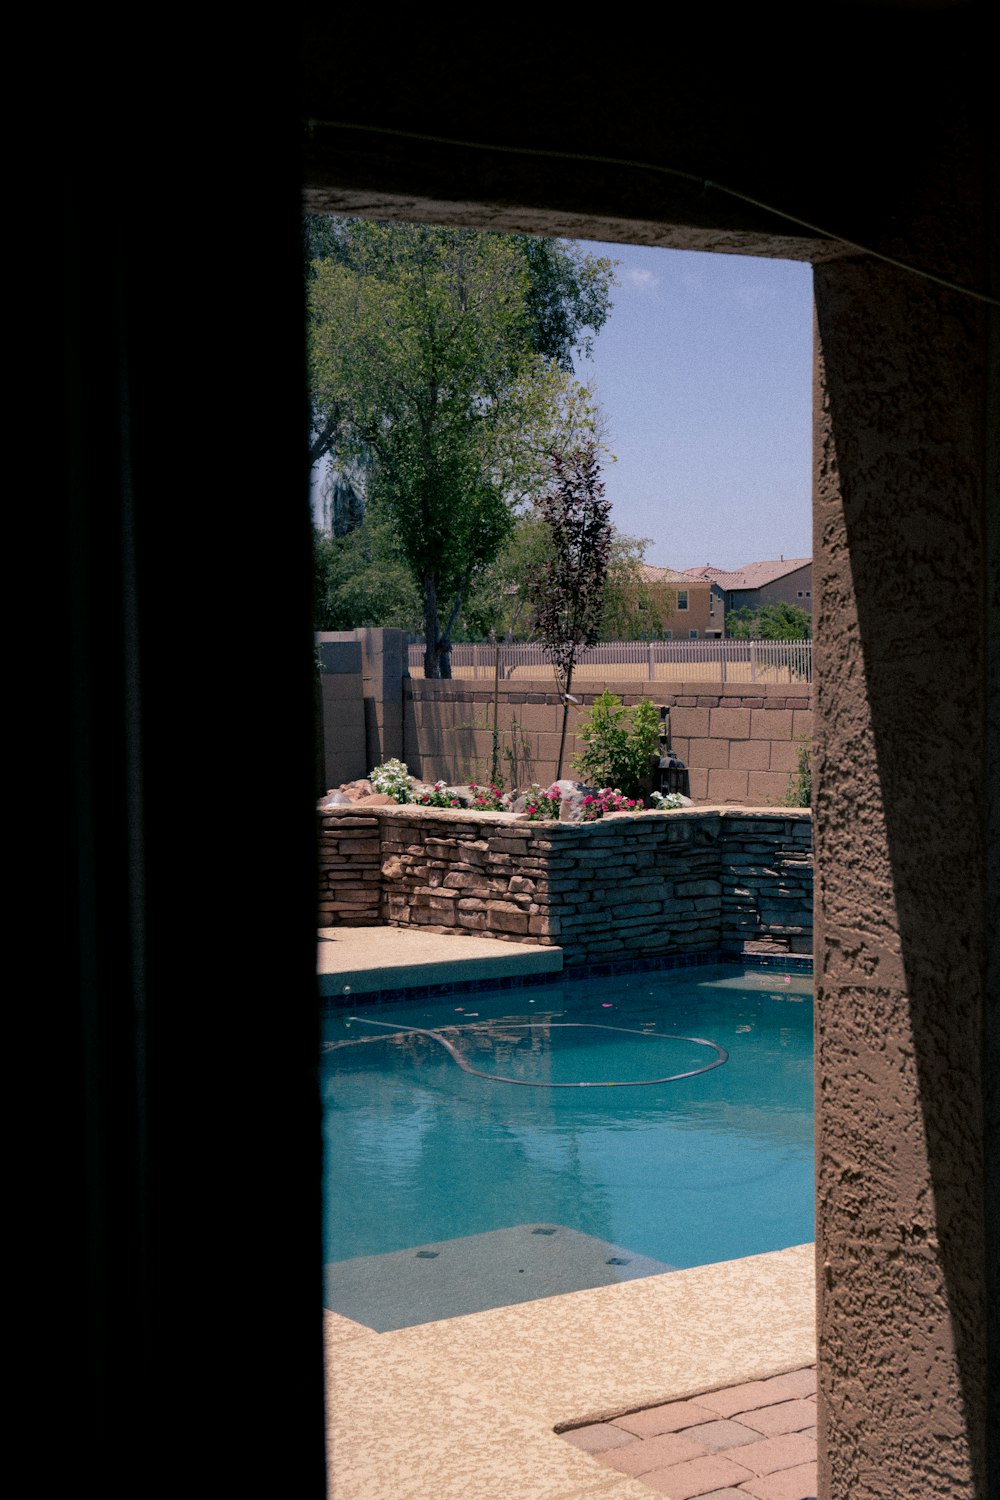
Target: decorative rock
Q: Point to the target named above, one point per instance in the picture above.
(355, 789)
(571, 806)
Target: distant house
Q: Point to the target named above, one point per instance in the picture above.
(699, 606)
(788, 581)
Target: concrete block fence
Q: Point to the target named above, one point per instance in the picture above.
(630, 885)
(740, 745)
(739, 741)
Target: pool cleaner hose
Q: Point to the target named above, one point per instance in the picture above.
(721, 1054)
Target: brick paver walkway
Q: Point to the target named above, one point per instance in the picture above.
(756, 1440)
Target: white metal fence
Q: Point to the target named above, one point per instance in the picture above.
(648, 661)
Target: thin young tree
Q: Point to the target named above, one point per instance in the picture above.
(569, 586)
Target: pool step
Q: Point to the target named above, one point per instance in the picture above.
(450, 1278)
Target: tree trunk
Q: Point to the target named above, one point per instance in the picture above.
(562, 737)
(432, 658)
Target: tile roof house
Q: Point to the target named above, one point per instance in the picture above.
(787, 580)
(699, 606)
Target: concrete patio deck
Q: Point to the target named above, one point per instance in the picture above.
(467, 1408)
(532, 1401)
(365, 959)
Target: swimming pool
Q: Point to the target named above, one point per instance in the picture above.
(447, 1191)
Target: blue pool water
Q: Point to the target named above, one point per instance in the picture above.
(529, 1190)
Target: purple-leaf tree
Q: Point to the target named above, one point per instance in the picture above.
(568, 588)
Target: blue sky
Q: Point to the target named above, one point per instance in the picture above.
(704, 372)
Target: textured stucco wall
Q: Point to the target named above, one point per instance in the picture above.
(900, 951)
(704, 612)
(341, 709)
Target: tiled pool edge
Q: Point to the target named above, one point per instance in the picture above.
(787, 963)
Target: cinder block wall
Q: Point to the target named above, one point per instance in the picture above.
(740, 745)
(342, 708)
(361, 697)
(630, 885)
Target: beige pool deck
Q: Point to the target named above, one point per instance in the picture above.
(363, 959)
(476, 1407)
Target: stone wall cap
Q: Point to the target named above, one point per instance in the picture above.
(520, 825)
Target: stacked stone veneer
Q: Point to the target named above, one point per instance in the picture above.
(350, 864)
(646, 884)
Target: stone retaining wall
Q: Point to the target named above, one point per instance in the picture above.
(636, 884)
(350, 869)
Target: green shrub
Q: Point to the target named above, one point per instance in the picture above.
(800, 781)
(620, 743)
(392, 779)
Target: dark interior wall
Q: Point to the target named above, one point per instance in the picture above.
(165, 353)
(831, 126)
(176, 1244)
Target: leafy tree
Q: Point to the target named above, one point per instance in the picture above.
(568, 587)
(360, 579)
(569, 297)
(422, 370)
(632, 608)
(567, 301)
(502, 601)
(343, 503)
(769, 622)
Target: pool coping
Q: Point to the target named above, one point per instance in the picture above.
(538, 966)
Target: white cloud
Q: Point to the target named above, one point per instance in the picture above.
(641, 279)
